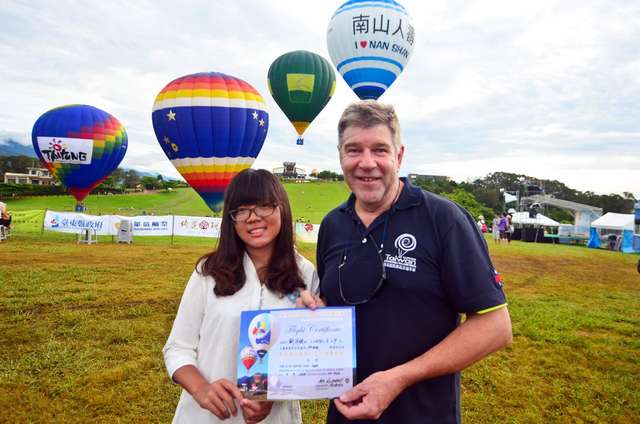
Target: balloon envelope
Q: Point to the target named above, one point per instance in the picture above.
(263, 332)
(248, 357)
(211, 126)
(370, 43)
(302, 84)
(80, 145)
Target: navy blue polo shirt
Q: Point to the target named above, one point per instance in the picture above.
(437, 267)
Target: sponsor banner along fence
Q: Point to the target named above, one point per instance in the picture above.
(196, 226)
(147, 225)
(72, 222)
(151, 225)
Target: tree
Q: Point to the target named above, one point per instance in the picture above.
(131, 178)
(470, 203)
(118, 176)
(18, 164)
(330, 176)
(151, 183)
(436, 186)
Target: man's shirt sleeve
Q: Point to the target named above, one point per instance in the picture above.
(467, 273)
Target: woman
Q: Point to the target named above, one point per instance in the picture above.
(254, 267)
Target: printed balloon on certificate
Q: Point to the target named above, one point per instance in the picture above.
(296, 353)
(263, 332)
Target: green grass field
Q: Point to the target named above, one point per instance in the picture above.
(309, 201)
(82, 328)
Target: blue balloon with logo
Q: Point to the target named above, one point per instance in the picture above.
(80, 145)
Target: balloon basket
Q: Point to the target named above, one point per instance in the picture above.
(300, 142)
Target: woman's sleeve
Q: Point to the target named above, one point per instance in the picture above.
(182, 345)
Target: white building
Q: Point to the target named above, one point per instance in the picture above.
(36, 176)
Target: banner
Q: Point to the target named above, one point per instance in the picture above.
(150, 225)
(71, 222)
(196, 226)
(66, 150)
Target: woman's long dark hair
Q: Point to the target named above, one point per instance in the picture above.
(253, 187)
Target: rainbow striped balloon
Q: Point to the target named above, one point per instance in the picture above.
(80, 145)
(370, 43)
(211, 126)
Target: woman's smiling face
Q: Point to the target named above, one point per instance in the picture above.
(258, 232)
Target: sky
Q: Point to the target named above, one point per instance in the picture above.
(545, 88)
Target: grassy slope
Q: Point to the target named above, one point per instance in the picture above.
(310, 201)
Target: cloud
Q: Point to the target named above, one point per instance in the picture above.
(548, 88)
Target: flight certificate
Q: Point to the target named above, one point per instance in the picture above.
(293, 354)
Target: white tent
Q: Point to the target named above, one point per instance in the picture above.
(614, 221)
(539, 221)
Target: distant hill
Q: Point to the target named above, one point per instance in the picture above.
(11, 147)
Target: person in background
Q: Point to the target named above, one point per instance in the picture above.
(510, 227)
(254, 267)
(503, 224)
(495, 229)
(482, 225)
(410, 262)
(5, 216)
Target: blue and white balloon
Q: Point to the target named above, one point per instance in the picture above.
(370, 43)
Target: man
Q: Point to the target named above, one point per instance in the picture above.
(411, 262)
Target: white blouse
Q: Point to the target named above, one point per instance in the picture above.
(205, 334)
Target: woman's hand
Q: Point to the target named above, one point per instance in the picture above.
(255, 411)
(309, 300)
(218, 397)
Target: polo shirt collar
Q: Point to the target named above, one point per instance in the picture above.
(409, 196)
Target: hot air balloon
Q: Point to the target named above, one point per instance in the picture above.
(248, 357)
(263, 332)
(302, 84)
(80, 145)
(370, 43)
(211, 126)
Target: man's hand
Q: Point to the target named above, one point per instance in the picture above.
(309, 300)
(369, 399)
(218, 397)
(255, 411)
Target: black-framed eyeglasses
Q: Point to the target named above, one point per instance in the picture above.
(243, 214)
(360, 270)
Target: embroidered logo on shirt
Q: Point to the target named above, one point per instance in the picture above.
(404, 243)
(498, 278)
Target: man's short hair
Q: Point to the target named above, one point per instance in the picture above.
(367, 114)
